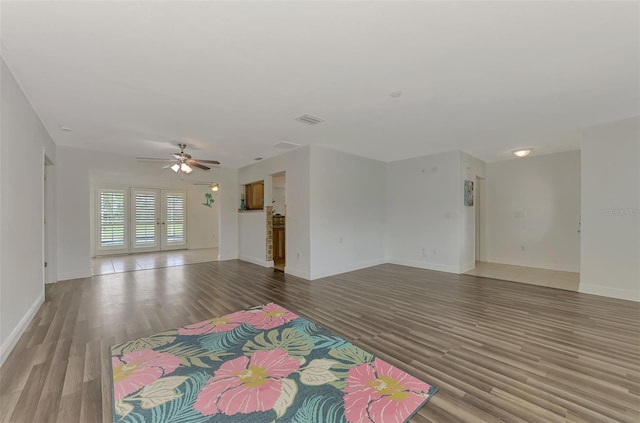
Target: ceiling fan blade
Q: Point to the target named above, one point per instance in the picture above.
(152, 159)
(208, 161)
(208, 183)
(198, 165)
(169, 165)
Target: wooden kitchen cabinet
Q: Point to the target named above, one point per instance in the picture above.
(254, 195)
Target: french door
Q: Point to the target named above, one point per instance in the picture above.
(140, 220)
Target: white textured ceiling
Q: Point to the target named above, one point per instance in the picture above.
(229, 78)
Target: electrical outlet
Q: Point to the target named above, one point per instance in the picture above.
(341, 239)
(298, 255)
(522, 248)
(424, 252)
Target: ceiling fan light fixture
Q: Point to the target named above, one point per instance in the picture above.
(186, 168)
(214, 187)
(523, 153)
(175, 167)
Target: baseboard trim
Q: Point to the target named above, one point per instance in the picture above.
(259, 262)
(227, 257)
(9, 343)
(536, 265)
(605, 291)
(75, 274)
(304, 274)
(426, 265)
(466, 268)
(346, 269)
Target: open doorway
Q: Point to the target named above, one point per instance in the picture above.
(279, 203)
(527, 221)
(48, 217)
(480, 215)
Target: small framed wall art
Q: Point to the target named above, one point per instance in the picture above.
(468, 193)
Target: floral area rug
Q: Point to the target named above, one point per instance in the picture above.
(265, 364)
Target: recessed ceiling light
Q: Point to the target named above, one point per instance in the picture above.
(523, 153)
(65, 128)
(396, 94)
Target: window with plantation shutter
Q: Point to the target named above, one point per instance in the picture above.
(145, 215)
(135, 220)
(112, 219)
(175, 218)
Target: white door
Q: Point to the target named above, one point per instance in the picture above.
(174, 221)
(158, 220)
(145, 233)
(112, 216)
(155, 220)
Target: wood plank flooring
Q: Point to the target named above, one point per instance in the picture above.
(498, 351)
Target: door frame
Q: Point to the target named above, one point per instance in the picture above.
(157, 245)
(164, 244)
(130, 225)
(480, 244)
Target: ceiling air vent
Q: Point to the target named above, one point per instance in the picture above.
(286, 145)
(309, 119)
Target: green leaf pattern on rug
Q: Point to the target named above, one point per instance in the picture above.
(153, 341)
(193, 355)
(296, 344)
(123, 408)
(317, 409)
(160, 391)
(287, 395)
(317, 372)
(305, 326)
(351, 356)
(221, 341)
(180, 409)
(346, 359)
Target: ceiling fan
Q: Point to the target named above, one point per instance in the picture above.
(213, 185)
(183, 162)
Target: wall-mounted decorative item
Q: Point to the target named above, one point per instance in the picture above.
(208, 199)
(468, 193)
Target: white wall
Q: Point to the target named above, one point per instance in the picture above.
(73, 205)
(203, 220)
(610, 244)
(472, 168)
(252, 236)
(424, 197)
(24, 142)
(297, 234)
(533, 211)
(229, 200)
(348, 228)
(80, 169)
